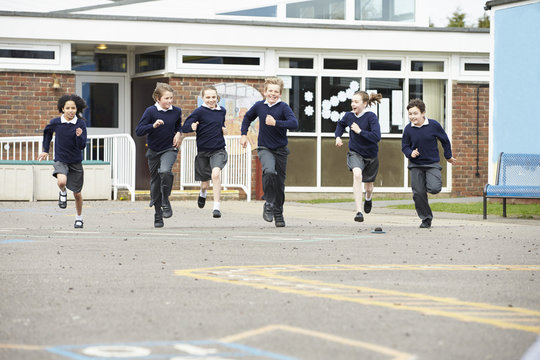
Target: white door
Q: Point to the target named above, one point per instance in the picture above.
(105, 98)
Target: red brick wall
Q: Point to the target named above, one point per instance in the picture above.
(28, 101)
(467, 179)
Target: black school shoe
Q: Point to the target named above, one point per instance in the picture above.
(167, 210)
(426, 224)
(268, 212)
(359, 217)
(216, 213)
(279, 221)
(368, 204)
(201, 201)
(62, 204)
(78, 224)
(158, 220)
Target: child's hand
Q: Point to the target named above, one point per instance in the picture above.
(177, 140)
(451, 160)
(42, 156)
(78, 131)
(270, 121)
(415, 153)
(194, 125)
(158, 123)
(224, 130)
(339, 142)
(243, 141)
(355, 128)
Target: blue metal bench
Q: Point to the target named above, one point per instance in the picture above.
(518, 177)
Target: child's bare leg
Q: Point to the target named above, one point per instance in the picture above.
(369, 190)
(78, 203)
(61, 180)
(204, 186)
(216, 182)
(357, 188)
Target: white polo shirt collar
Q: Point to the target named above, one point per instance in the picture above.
(72, 121)
(162, 109)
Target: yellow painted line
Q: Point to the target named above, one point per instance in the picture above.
(396, 355)
(270, 277)
(20, 347)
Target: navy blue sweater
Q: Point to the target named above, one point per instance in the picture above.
(271, 137)
(367, 142)
(209, 131)
(424, 139)
(67, 145)
(160, 138)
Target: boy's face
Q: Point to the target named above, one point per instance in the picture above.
(272, 93)
(416, 117)
(210, 98)
(357, 104)
(69, 110)
(165, 101)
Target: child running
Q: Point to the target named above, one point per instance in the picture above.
(70, 140)
(208, 121)
(362, 158)
(275, 117)
(419, 144)
(161, 123)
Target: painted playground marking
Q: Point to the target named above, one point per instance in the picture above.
(276, 278)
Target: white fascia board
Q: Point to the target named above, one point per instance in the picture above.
(279, 37)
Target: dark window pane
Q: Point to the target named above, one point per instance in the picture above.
(302, 162)
(336, 96)
(301, 98)
(221, 60)
(341, 64)
(99, 62)
(296, 63)
(391, 117)
(102, 104)
(384, 65)
(26, 54)
(476, 67)
(436, 66)
(150, 61)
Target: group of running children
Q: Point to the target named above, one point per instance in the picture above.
(162, 125)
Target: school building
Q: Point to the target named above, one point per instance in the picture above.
(113, 52)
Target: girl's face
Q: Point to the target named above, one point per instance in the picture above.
(272, 93)
(357, 104)
(416, 117)
(210, 98)
(165, 101)
(69, 110)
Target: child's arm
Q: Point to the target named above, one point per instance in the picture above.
(289, 121)
(81, 134)
(250, 115)
(147, 124)
(406, 146)
(374, 133)
(340, 129)
(445, 142)
(47, 137)
(193, 118)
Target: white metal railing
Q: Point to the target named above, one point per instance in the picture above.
(117, 149)
(237, 172)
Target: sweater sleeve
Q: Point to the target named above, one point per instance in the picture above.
(340, 127)
(445, 142)
(406, 146)
(146, 124)
(192, 118)
(372, 135)
(289, 122)
(250, 115)
(81, 140)
(47, 135)
(178, 124)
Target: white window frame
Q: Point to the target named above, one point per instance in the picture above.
(60, 62)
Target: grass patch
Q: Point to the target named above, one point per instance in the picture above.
(515, 210)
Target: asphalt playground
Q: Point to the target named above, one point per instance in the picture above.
(323, 287)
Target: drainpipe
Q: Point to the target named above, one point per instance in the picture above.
(477, 174)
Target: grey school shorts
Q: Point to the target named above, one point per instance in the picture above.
(74, 173)
(205, 161)
(369, 166)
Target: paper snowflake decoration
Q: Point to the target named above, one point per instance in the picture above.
(309, 110)
(354, 85)
(342, 97)
(334, 116)
(334, 101)
(326, 105)
(326, 113)
(308, 96)
(349, 92)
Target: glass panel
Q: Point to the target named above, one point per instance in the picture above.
(84, 61)
(295, 63)
(220, 60)
(150, 61)
(302, 162)
(317, 9)
(434, 66)
(385, 10)
(341, 64)
(301, 98)
(266, 11)
(102, 102)
(384, 65)
(391, 109)
(433, 93)
(390, 164)
(476, 67)
(336, 99)
(334, 170)
(26, 54)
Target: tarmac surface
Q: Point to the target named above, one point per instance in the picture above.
(324, 287)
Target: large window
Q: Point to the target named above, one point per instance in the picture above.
(317, 9)
(385, 10)
(301, 98)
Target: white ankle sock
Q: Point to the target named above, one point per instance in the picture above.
(203, 194)
(216, 205)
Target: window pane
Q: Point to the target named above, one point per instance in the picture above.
(317, 9)
(295, 63)
(385, 10)
(150, 61)
(436, 66)
(301, 98)
(476, 67)
(384, 65)
(334, 170)
(220, 60)
(336, 99)
(433, 93)
(26, 54)
(390, 110)
(302, 162)
(390, 164)
(341, 64)
(102, 104)
(84, 61)
(266, 11)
